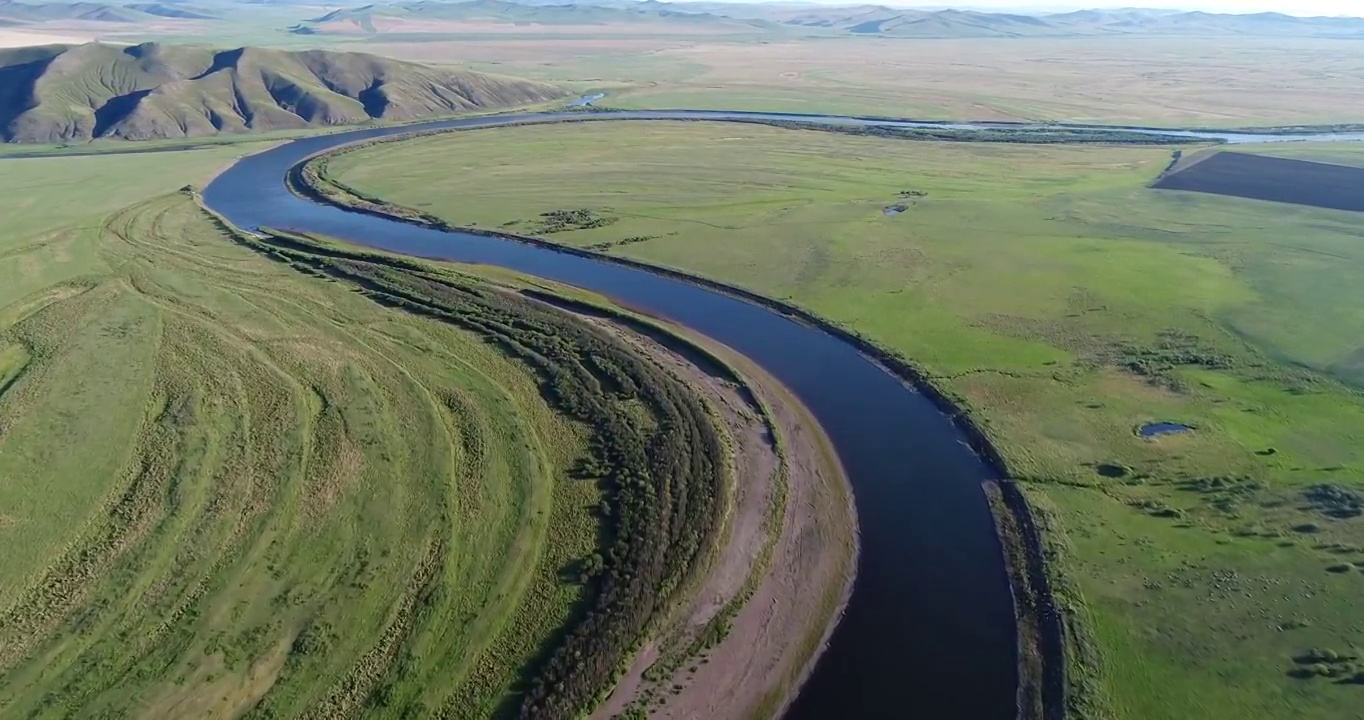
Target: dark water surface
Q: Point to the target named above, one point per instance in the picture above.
(1157, 429)
(929, 630)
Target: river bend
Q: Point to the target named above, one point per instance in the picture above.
(929, 629)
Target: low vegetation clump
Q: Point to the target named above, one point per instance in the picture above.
(1032, 136)
(557, 221)
(633, 239)
(1174, 350)
(1156, 508)
(1327, 663)
(1333, 500)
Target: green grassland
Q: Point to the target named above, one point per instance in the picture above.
(1064, 304)
(278, 447)
(1335, 153)
(1215, 80)
(1171, 82)
(238, 486)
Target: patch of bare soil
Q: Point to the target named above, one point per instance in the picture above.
(796, 597)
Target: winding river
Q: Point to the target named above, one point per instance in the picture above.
(929, 630)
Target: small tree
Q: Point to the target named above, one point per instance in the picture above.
(592, 566)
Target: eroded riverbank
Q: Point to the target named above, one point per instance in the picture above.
(756, 623)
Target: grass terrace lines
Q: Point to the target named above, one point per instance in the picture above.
(276, 477)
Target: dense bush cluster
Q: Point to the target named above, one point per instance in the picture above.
(1173, 350)
(1341, 666)
(556, 221)
(1334, 500)
(663, 482)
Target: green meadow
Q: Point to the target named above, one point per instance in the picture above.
(1065, 305)
(233, 489)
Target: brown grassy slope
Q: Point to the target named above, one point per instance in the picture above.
(61, 93)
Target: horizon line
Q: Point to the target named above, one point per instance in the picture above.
(1040, 10)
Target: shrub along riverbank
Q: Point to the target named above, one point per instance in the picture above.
(662, 480)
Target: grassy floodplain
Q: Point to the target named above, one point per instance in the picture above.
(1218, 81)
(252, 478)
(1065, 304)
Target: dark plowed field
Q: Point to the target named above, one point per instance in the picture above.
(1269, 178)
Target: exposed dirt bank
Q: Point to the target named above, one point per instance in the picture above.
(1041, 649)
(754, 625)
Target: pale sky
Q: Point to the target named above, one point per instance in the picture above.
(1292, 7)
(1328, 8)
(1354, 8)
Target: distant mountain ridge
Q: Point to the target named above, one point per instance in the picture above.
(168, 10)
(973, 23)
(434, 17)
(542, 13)
(61, 93)
(865, 20)
(23, 12)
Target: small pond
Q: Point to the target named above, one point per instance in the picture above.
(1157, 429)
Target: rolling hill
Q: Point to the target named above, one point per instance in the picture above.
(898, 22)
(179, 12)
(61, 93)
(864, 20)
(423, 15)
(954, 23)
(24, 12)
(1203, 23)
